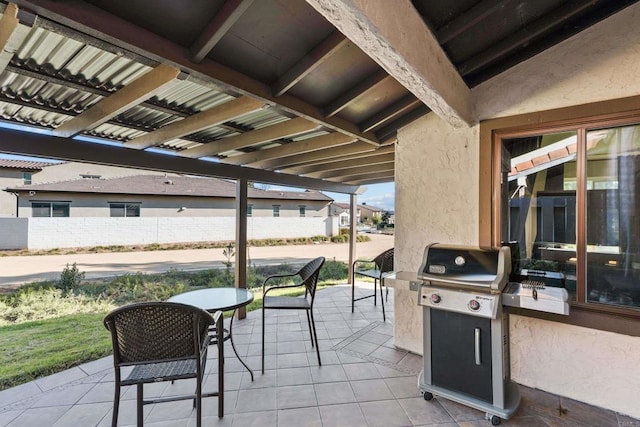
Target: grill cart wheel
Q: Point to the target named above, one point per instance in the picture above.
(495, 420)
(427, 396)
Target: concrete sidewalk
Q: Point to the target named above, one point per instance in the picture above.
(16, 270)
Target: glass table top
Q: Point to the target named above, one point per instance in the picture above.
(214, 299)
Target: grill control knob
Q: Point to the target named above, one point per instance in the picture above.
(474, 305)
(435, 298)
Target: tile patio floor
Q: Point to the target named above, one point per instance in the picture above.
(363, 381)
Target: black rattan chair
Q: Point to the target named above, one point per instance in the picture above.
(309, 279)
(164, 341)
(383, 266)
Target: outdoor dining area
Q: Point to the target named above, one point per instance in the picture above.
(348, 374)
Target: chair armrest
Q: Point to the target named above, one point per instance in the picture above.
(275, 276)
(269, 289)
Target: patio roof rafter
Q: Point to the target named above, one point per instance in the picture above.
(11, 34)
(426, 72)
(328, 153)
(327, 169)
(142, 88)
(284, 129)
(59, 148)
(389, 113)
(388, 132)
(228, 14)
(96, 23)
(373, 180)
(355, 93)
(309, 62)
(197, 122)
(384, 175)
(298, 147)
(326, 158)
(368, 168)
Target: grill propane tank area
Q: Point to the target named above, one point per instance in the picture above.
(463, 292)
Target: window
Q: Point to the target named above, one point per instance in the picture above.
(276, 210)
(570, 200)
(26, 178)
(249, 210)
(124, 209)
(303, 210)
(49, 209)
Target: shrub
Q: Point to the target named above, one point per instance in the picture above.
(70, 278)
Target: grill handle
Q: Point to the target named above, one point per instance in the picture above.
(477, 342)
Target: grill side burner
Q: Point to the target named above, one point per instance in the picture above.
(465, 329)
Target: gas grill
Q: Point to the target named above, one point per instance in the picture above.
(465, 329)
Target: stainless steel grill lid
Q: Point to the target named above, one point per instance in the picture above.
(466, 266)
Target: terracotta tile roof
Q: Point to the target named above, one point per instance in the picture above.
(23, 164)
(158, 185)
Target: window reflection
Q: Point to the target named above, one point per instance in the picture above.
(539, 187)
(539, 205)
(613, 205)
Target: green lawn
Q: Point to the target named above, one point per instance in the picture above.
(34, 349)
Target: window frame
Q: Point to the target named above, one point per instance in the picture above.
(125, 205)
(612, 113)
(302, 211)
(249, 210)
(27, 178)
(276, 211)
(51, 204)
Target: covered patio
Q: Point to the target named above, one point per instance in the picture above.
(335, 95)
(364, 380)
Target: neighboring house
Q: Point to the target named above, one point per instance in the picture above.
(342, 211)
(369, 213)
(15, 173)
(160, 196)
(146, 209)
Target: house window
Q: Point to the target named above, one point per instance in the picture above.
(570, 199)
(124, 209)
(89, 176)
(249, 210)
(276, 211)
(49, 209)
(303, 211)
(26, 178)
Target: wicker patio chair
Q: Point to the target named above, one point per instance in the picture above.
(164, 341)
(309, 280)
(383, 266)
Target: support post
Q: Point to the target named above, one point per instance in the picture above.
(353, 219)
(241, 240)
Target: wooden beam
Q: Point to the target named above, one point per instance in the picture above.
(384, 175)
(388, 131)
(416, 62)
(390, 112)
(92, 22)
(296, 159)
(323, 159)
(359, 170)
(228, 14)
(280, 130)
(240, 277)
(305, 146)
(372, 180)
(469, 19)
(524, 36)
(142, 88)
(325, 170)
(356, 92)
(12, 34)
(309, 62)
(53, 147)
(202, 120)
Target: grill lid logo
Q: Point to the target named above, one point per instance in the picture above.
(437, 269)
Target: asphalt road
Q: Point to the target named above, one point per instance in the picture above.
(17, 270)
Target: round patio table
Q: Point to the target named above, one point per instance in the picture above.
(219, 299)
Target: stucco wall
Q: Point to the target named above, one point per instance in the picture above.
(436, 201)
